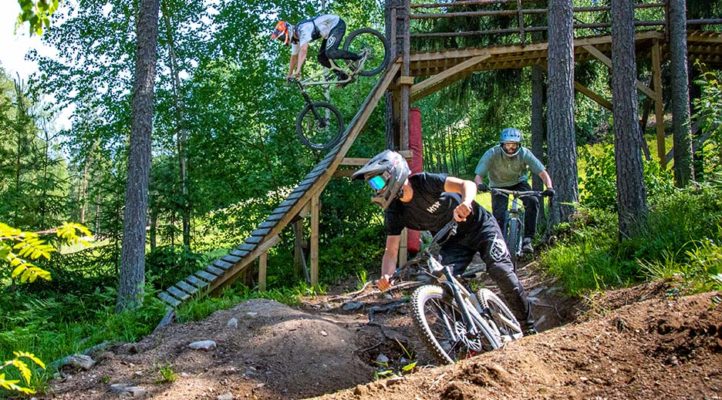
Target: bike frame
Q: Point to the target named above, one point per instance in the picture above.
(472, 316)
(516, 211)
(318, 79)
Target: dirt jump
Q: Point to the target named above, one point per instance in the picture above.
(642, 343)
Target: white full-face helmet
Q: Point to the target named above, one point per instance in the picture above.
(386, 173)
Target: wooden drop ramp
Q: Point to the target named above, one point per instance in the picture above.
(227, 268)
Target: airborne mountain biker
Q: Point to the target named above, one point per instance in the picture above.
(427, 201)
(329, 27)
(507, 166)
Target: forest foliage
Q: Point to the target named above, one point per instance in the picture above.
(233, 113)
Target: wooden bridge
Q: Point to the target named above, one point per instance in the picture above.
(431, 67)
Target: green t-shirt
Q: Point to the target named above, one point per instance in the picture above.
(506, 171)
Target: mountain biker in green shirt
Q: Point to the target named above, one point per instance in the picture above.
(507, 167)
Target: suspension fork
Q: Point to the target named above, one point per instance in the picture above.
(308, 101)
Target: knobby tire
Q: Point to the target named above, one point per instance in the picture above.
(312, 136)
(501, 315)
(349, 45)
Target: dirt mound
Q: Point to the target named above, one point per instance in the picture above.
(661, 348)
(641, 343)
(271, 350)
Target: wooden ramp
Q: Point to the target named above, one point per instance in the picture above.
(225, 269)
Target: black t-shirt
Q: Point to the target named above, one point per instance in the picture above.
(430, 207)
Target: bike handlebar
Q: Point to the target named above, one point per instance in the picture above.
(484, 188)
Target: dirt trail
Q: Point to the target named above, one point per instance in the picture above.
(621, 348)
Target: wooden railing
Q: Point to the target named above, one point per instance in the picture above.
(520, 19)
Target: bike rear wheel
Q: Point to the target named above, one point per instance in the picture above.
(439, 320)
(501, 315)
(319, 125)
(373, 42)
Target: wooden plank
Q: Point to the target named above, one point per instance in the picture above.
(267, 224)
(603, 58)
(190, 289)
(169, 299)
(592, 95)
(315, 205)
(658, 103)
(238, 253)
(275, 217)
(214, 270)
(193, 280)
(254, 239)
(283, 208)
(177, 293)
(262, 266)
(295, 194)
(429, 85)
(246, 247)
(231, 259)
(205, 275)
(405, 80)
(222, 264)
(260, 232)
(232, 273)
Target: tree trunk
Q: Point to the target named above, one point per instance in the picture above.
(132, 268)
(560, 111)
(537, 119)
(680, 92)
(181, 134)
(631, 193)
(537, 126)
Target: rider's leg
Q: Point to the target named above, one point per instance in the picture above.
(334, 40)
(531, 210)
(457, 255)
(495, 254)
(498, 206)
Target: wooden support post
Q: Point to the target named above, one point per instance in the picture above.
(405, 89)
(262, 265)
(403, 247)
(520, 16)
(658, 103)
(603, 58)
(315, 205)
(593, 95)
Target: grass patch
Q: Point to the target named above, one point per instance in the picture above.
(682, 238)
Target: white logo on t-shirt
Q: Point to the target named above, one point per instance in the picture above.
(432, 209)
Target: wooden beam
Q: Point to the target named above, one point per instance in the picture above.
(603, 58)
(403, 247)
(357, 162)
(405, 80)
(658, 103)
(592, 95)
(445, 78)
(315, 205)
(226, 278)
(262, 266)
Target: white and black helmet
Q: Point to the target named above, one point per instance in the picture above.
(386, 173)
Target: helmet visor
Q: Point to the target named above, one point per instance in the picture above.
(377, 183)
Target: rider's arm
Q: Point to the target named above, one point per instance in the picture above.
(388, 262)
(467, 189)
(303, 49)
(544, 175)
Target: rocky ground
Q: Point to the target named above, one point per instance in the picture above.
(643, 343)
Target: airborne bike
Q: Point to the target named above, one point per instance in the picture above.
(319, 125)
(455, 323)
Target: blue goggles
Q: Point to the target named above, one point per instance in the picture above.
(377, 182)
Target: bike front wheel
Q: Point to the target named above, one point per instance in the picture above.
(440, 322)
(514, 239)
(319, 125)
(500, 314)
(374, 44)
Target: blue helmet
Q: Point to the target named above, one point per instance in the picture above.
(510, 135)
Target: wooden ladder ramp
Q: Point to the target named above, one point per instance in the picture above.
(226, 269)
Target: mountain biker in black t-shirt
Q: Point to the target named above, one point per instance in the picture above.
(427, 201)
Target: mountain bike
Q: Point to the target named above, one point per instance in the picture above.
(319, 125)
(513, 229)
(455, 323)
